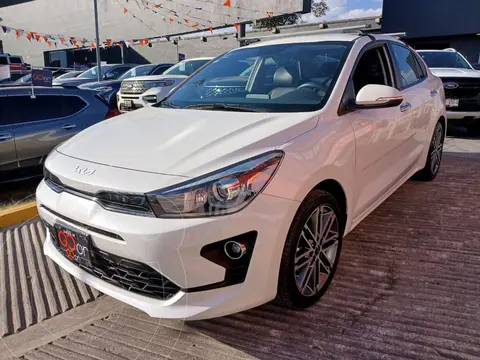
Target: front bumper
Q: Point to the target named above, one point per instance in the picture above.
(172, 247)
(467, 117)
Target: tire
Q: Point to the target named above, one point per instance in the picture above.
(435, 153)
(290, 281)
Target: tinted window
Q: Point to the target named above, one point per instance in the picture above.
(285, 77)
(160, 70)
(444, 59)
(22, 109)
(137, 71)
(92, 73)
(117, 72)
(372, 69)
(15, 60)
(3, 60)
(186, 67)
(409, 68)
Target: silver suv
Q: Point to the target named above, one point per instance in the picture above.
(31, 127)
(462, 85)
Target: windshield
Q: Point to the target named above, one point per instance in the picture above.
(137, 71)
(25, 79)
(275, 78)
(92, 73)
(68, 75)
(444, 59)
(186, 67)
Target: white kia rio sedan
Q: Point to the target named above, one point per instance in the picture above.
(240, 186)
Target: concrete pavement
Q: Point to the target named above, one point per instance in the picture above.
(407, 286)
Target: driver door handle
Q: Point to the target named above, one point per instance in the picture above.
(433, 93)
(405, 107)
(4, 137)
(68, 126)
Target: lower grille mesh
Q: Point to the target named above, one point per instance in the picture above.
(126, 274)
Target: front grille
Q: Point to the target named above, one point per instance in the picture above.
(468, 92)
(211, 91)
(133, 87)
(127, 274)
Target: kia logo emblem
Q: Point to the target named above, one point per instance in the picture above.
(84, 171)
(450, 85)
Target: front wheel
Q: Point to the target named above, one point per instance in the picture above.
(435, 154)
(311, 251)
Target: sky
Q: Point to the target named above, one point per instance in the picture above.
(348, 9)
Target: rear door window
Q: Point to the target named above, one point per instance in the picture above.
(15, 60)
(409, 69)
(43, 107)
(3, 60)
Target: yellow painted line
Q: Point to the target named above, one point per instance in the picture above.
(18, 214)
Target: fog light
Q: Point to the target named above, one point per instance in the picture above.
(234, 250)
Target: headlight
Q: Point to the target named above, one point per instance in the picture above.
(223, 192)
(103, 89)
(150, 98)
(158, 83)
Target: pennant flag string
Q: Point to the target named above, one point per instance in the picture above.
(127, 11)
(33, 35)
(169, 12)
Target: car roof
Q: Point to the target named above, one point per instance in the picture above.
(199, 58)
(445, 50)
(44, 90)
(348, 37)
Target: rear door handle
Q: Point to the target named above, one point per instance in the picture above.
(68, 126)
(433, 93)
(4, 137)
(405, 107)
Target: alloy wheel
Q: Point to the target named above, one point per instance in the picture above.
(436, 149)
(316, 251)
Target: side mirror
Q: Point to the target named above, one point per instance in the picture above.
(378, 96)
(476, 66)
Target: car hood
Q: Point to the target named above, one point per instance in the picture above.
(452, 72)
(155, 77)
(184, 142)
(71, 82)
(97, 84)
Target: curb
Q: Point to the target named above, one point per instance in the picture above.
(17, 214)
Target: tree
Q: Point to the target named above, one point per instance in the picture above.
(276, 21)
(319, 8)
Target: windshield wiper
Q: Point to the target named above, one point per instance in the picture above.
(168, 104)
(226, 107)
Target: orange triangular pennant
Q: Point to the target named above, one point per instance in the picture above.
(171, 20)
(270, 14)
(195, 25)
(186, 20)
(227, 3)
(211, 29)
(37, 37)
(49, 43)
(158, 6)
(125, 10)
(74, 42)
(236, 26)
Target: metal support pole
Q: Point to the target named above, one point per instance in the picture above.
(99, 66)
(121, 52)
(178, 59)
(241, 33)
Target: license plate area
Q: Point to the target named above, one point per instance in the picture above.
(73, 244)
(128, 104)
(451, 103)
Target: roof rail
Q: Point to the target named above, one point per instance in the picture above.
(350, 29)
(450, 49)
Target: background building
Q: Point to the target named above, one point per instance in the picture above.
(436, 24)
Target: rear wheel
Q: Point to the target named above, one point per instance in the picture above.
(311, 251)
(435, 153)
